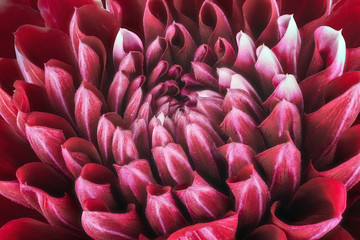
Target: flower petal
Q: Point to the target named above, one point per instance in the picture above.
(123, 146)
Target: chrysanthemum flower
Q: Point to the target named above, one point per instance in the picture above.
(179, 119)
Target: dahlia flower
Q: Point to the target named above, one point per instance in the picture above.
(179, 119)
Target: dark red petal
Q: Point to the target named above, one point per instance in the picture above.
(89, 104)
(314, 210)
(158, 50)
(31, 229)
(341, 84)
(161, 210)
(105, 225)
(202, 201)
(325, 126)
(133, 180)
(338, 233)
(77, 152)
(172, 164)
(35, 46)
(8, 110)
(156, 19)
(205, 76)
(9, 73)
(251, 196)
(224, 52)
(13, 16)
(282, 125)
(282, 166)
(267, 231)
(210, 104)
(123, 147)
(205, 54)
(46, 133)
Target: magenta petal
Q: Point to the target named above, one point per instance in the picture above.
(133, 180)
(205, 75)
(267, 231)
(8, 110)
(341, 84)
(220, 229)
(172, 164)
(35, 46)
(106, 225)
(96, 182)
(204, 54)
(160, 136)
(246, 56)
(224, 52)
(132, 64)
(133, 106)
(288, 48)
(89, 103)
(210, 104)
(158, 50)
(156, 19)
(240, 127)
(282, 125)
(46, 133)
(251, 196)
(314, 210)
(139, 129)
(282, 165)
(105, 131)
(125, 42)
(77, 152)
(123, 146)
(60, 88)
(162, 211)
(213, 24)
(326, 125)
(11, 190)
(327, 63)
(237, 156)
(202, 201)
(31, 229)
(157, 74)
(117, 91)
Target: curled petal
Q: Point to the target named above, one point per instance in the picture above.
(133, 180)
(265, 231)
(28, 228)
(267, 66)
(157, 73)
(251, 196)
(210, 106)
(132, 64)
(329, 59)
(158, 50)
(205, 76)
(35, 46)
(172, 164)
(162, 211)
(105, 131)
(240, 127)
(246, 55)
(96, 182)
(204, 54)
(117, 91)
(123, 146)
(125, 42)
(282, 165)
(286, 88)
(326, 125)
(314, 210)
(213, 24)
(282, 125)
(133, 106)
(224, 52)
(102, 225)
(46, 133)
(77, 152)
(89, 103)
(202, 201)
(288, 48)
(237, 156)
(156, 19)
(8, 110)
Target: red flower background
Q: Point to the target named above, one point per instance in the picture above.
(179, 119)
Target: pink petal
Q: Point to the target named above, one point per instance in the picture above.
(210, 106)
(240, 127)
(123, 147)
(8, 110)
(288, 48)
(213, 24)
(77, 152)
(172, 164)
(105, 225)
(157, 74)
(117, 91)
(35, 46)
(139, 129)
(202, 201)
(158, 50)
(89, 104)
(125, 42)
(329, 47)
(282, 165)
(251, 196)
(161, 210)
(314, 210)
(204, 54)
(282, 125)
(237, 156)
(205, 76)
(27, 228)
(326, 125)
(46, 133)
(160, 136)
(96, 182)
(133, 106)
(246, 56)
(133, 180)
(156, 19)
(224, 52)
(132, 64)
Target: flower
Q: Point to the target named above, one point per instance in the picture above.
(155, 119)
